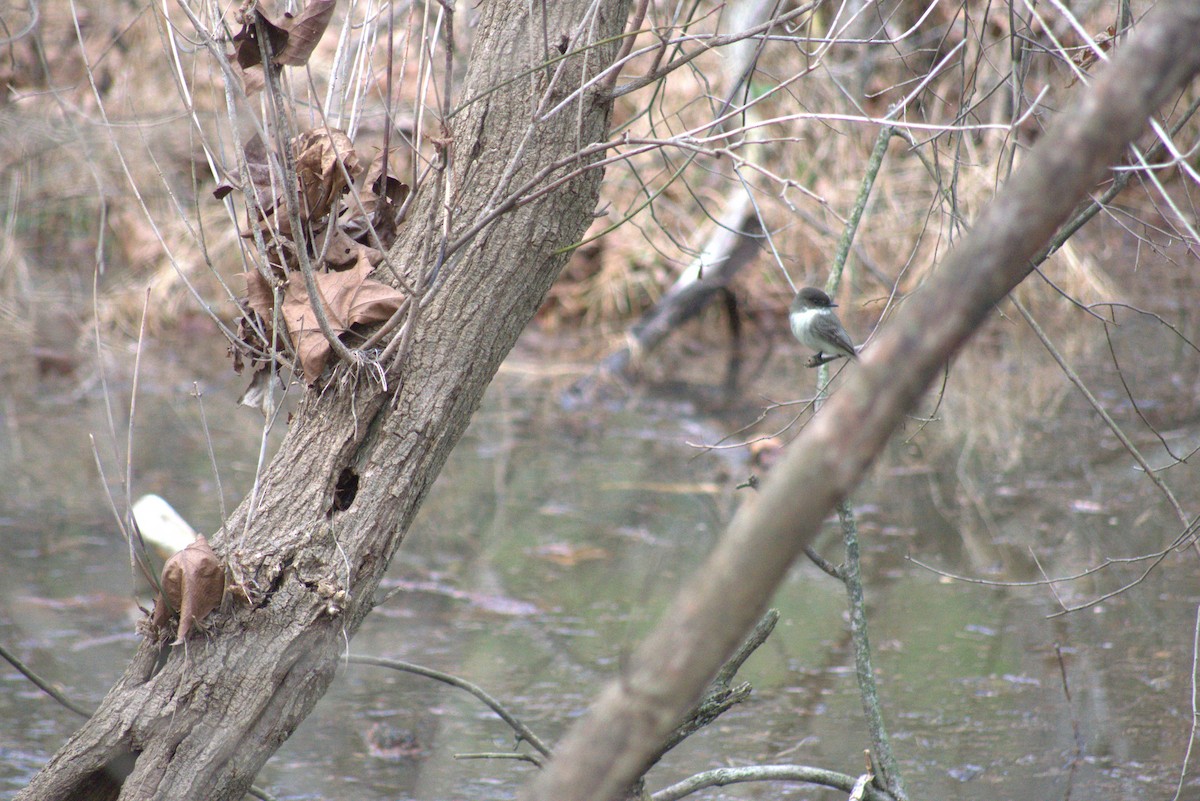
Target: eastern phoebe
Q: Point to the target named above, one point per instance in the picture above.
(816, 325)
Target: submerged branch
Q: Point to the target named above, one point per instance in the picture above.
(723, 777)
(523, 731)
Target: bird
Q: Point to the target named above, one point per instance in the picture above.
(816, 326)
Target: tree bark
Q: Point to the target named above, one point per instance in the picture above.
(609, 748)
(197, 721)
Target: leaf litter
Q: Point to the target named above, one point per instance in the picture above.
(348, 215)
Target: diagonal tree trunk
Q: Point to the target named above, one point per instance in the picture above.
(197, 722)
(607, 750)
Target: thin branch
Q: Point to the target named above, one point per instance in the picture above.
(518, 756)
(1137, 408)
(1187, 755)
(133, 392)
(212, 456)
(1182, 540)
(42, 684)
(850, 571)
(634, 27)
(1074, 378)
(708, 42)
(723, 777)
(523, 731)
(863, 669)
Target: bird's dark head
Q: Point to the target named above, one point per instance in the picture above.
(811, 298)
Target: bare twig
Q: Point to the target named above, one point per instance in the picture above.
(523, 731)
(707, 43)
(1187, 756)
(723, 777)
(42, 684)
(518, 756)
(1074, 378)
(212, 456)
(850, 571)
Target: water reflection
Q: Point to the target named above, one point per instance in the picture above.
(549, 546)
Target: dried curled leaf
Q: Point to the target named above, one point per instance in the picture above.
(268, 191)
(288, 41)
(254, 79)
(193, 583)
(267, 188)
(324, 159)
(348, 298)
(259, 294)
(304, 32)
(258, 394)
(340, 251)
(257, 337)
(247, 47)
(375, 205)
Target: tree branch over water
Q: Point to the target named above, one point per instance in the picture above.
(608, 748)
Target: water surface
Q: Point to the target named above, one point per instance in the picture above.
(553, 540)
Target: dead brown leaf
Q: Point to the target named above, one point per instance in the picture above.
(258, 394)
(259, 294)
(254, 79)
(372, 256)
(324, 158)
(265, 183)
(342, 251)
(1086, 56)
(380, 189)
(348, 298)
(257, 336)
(193, 583)
(246, 42)
(304, 32)
(379, 199)
(290, 40)
(267, 189)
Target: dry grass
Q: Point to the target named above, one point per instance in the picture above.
(70, 209)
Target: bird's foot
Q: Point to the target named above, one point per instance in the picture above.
(821, 358)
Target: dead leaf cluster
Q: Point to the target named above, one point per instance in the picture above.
(345, 214)
(312, 207)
